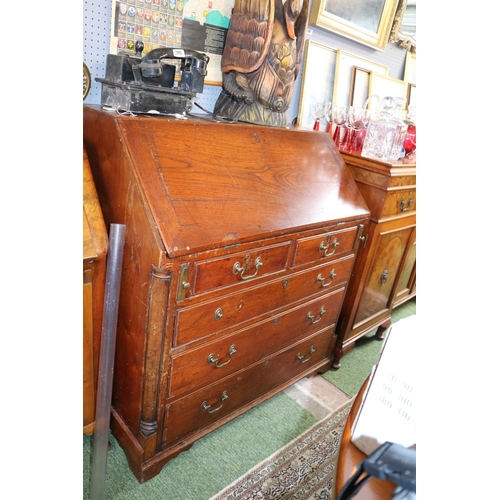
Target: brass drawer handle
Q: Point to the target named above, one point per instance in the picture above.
(322, 280)
(314, 320)
(383, 278)
(305, 360)
(242, 270)
(205, 406)
(213, 359)
(323, 247)
(402, 204)
(218, 313)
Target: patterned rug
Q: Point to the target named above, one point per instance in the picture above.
(303, 469)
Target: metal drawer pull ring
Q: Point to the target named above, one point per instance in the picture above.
(238, 269)
(314, 320)
(322, 280)
(305, 360)
(402, 204)
(206, 406)
(213, 359)
(323, 247)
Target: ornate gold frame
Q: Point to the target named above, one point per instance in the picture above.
(407, 41)
(321, 18)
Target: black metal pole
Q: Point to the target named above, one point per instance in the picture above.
(106, 360)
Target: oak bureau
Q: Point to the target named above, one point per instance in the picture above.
(240, 242)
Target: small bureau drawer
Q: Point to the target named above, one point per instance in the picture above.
(324, 246)
(199, 321)
(204, 407)
(399, 202)
(217, 359)
(241, 267)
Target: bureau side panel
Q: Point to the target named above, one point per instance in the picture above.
(123, 202)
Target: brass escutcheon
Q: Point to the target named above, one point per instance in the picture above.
(218, 313)
(383, 278)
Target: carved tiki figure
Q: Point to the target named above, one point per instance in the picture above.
(261, 60)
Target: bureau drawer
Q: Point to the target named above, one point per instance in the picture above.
(204, 407)
(324, 246)
(199, 321)
(399, 202)
(209, 362)
(238, 268)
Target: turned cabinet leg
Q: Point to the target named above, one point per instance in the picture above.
(338, 353)
(380, 335)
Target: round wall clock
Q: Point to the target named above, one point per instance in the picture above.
(86, 81)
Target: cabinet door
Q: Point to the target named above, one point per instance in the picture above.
(407, 282)
(389, 254)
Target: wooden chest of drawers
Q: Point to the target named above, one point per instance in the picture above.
(386, 276)
(240, 244)
(95, 249)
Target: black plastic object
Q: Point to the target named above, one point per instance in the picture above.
(390, 461)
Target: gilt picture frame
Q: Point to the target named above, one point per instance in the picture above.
(411, 94)
(343, 74)
(410, 74)
(317, 81)
(368, 22)
(360, 87)
(383, 86)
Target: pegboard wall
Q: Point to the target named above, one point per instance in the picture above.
(96, 32)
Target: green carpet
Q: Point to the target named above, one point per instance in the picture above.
(213, 462)
(221, 457)
(357, 364)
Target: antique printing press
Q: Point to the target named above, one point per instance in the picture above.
(146, 84)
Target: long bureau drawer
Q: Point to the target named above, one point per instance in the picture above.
(201, 320)
(211, 361)
(219, 400)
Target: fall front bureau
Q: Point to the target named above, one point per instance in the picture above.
(240, 243)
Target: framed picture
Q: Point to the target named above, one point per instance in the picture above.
(383, 85)
(411, 68)
(365, 21)
(360, 86)
(317, 81)
(344, 71)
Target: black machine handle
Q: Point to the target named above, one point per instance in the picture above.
(150, 63)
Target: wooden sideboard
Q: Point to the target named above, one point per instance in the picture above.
(240, 244)
(95, 248)
(385, 273)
